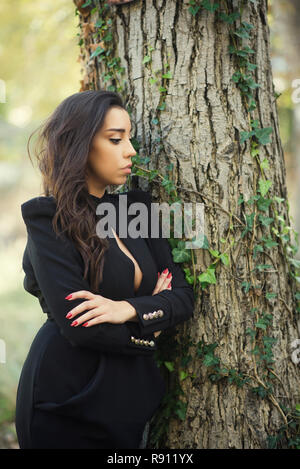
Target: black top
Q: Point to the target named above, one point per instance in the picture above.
(54, 268)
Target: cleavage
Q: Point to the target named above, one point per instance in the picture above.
(138, 275)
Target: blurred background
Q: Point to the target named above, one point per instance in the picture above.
(39, 68)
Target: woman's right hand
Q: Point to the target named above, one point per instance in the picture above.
(163, 283)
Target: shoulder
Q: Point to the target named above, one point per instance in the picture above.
(38, 207)
(38, 214)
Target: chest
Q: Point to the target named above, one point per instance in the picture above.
(138, 273)
(129, 269)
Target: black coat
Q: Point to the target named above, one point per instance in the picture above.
(94, 387)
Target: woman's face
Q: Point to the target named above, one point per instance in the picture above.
(110, 152)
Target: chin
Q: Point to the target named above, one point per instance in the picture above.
(118, 180)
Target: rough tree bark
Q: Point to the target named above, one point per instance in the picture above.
(200, 128)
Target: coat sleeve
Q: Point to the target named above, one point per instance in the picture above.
(169, 307)
(58, 269)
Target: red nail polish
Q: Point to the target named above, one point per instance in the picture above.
(69, 315)
(68, 297)
(165, 271)
(85, 324)
(169, 275)
(74, 323)
(169, 285)
(158, 274)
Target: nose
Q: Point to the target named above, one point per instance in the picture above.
(131, 151)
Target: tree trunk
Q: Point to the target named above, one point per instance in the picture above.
(198, 131)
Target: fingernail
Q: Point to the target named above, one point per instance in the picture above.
(85, 324)
(169, 285)
(74, 323)
(169, 275)
(165, 271)
(69, 315)
(68, 297)
(158, 274)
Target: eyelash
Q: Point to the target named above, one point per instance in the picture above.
(117, 140)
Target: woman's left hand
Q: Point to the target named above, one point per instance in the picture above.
(101, 309)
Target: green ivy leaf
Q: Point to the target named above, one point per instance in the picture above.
(146, 59)
(240, 199)
(262, 267)
(169, 365)
(167, 75)
(162, 107)
(210, 360)
(251, 66)
(247, 26)
(264, 186)
(265, 221)
(263, 204)
(224, 258)
(201, 242)
(269, 243)
(86, 4)
(246, 286)
(181, 410)
(261, 325)
(230, 19)
(269, 296)
(209, 6)
(265, 164)
(214, 253)
(294, 262)
(208, 276)
(182, 375)
(251, 332)
(263, 135)
(257, 248)
(181, 255)
(99, 50)
(245, 135)
(237, 76)
(193, 9)
(241, 32)
(261, 391)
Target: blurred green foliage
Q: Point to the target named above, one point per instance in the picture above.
(38, 55)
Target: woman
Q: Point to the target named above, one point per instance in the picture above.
(90, 379)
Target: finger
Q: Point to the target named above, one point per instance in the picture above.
(80, 294)
(165, 282)
(85, 305)
(97, 320)
(86, 317)
(164, 275)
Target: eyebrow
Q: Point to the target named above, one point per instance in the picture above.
(117, 130)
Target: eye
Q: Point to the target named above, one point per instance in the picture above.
(115, 140)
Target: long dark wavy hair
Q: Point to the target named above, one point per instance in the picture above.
(62, 149)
